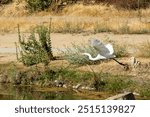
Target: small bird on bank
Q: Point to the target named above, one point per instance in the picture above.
(134, 62)
(105, 51)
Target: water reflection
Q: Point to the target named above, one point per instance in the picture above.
(10, 92)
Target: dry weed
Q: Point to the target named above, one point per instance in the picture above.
(144, 49)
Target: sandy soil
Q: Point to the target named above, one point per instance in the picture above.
(60, 41)
(7, 52)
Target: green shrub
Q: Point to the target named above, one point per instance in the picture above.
(38, 5)
(112, 83)
(33, 51)
(144, 89)
(47, 74)
(118, 84)
(12, 71)
(73, 76)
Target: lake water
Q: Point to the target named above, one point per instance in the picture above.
(10, 92)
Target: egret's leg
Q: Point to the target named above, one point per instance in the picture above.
(125, 65)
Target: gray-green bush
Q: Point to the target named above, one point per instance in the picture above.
(74, 54)
(32, 51)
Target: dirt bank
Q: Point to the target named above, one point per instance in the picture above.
(60, 41)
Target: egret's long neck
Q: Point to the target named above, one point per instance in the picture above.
(93, 59)
(90, 57)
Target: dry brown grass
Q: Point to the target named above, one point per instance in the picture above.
(9, 25)
(102, 10)
(77, 25)
(78, 18)
(90, 10)
(17, 8)
(144, 50)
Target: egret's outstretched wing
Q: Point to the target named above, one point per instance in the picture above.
(105, 51)
(110, 48)
(96, 44)
(99, 46)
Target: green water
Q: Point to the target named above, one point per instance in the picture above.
(10, 92)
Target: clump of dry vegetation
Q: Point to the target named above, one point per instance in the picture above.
(144, 50)
(38, 5)
(95, 18)
(15, 8)
(5, 1)
(74, 55)
(77, 25)
(127, 4)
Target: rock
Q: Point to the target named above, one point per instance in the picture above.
(88, 88)
(76, 86)
(59, 83)
(65, 86)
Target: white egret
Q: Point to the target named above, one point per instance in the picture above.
(105, 51)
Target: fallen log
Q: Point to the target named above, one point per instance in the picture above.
(123, 96)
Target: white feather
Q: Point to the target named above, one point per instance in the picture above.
(98, 57)
(110, 48)
(105, 51)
